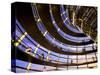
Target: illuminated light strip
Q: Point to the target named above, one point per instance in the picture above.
(54, 22)
(20, 39)
(36, 50)
(53, 39)
(29, 66)
(58, 29)
(84, 62)
(45, 33)
(63, 13)
(65, 20)
(39, 20)
(50, 11)
(92, 65)
(47, 58)
(73, 22)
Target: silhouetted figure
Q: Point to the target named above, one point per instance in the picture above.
(28, 50)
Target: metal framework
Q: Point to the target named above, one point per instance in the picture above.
(48, 46)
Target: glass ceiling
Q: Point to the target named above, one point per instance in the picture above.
(43, 59)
